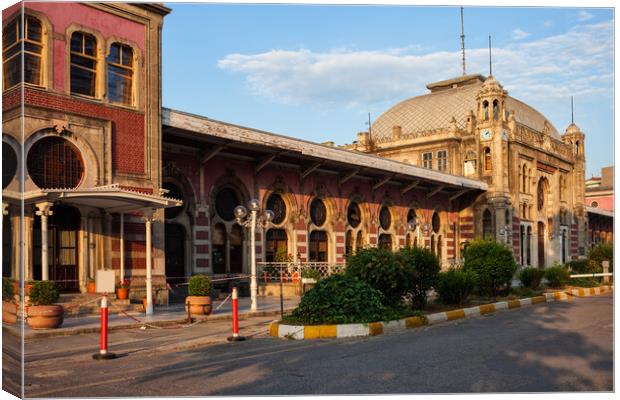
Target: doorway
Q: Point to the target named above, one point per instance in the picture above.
(541, 244)
(175, 252)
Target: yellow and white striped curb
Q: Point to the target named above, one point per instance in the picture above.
(299, 332)
(585, 292)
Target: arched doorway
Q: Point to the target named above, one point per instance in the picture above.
(318, 247)
(276, 245)
(487, 224)
(175, 252)
(385, 241)
(541, 244)
(218, 251)
(62, 230)
(236, 249)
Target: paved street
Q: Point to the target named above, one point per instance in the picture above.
(560, 346)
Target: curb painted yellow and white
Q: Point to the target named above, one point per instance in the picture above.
(300, 332)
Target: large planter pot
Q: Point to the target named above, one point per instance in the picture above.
(91, 287)
(199, 305)
(45, 317)
(9, 312)
(122, 293)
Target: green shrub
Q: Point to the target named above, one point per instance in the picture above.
(44, 293)
(584, 282)
(455, 286)
(493, 263)
(380, 269)
(580, 267)
(311, 273)
(199, 285)
(422, 268)
(557, 276)
(7, 289)
(522, 292)
(600, 253)
(339, 299)
(530, 277)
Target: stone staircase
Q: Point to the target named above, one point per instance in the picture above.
(80, 304)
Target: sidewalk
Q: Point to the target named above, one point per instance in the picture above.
(163, 315)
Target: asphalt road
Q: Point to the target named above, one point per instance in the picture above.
(560, 346)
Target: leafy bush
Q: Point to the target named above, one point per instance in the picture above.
(493, 263)
(600, 253)
(455, 286)
(422, 268)
(7, 289)
(522, 292)
(44, 293)
(584, 282)
(311, 273)
(199, 285)
(557, 276)
(381, 270)
(580, 267)
(339, 299)
(530, 277)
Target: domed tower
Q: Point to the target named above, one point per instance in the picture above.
(492, 128)
(575, 138)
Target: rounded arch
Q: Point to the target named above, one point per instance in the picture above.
(231, 182)
(172, 175)
(11, 160)
(54, 162)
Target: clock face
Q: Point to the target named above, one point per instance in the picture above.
(485, 134)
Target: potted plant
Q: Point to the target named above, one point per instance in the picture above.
(199, 298)
(310, 276)
(91, 285)
(42, 312)
(9, 308)
(122, 291)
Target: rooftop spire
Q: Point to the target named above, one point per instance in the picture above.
(572, 116)
(490, 59)
(463, 42)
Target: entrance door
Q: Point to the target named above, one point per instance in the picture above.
(218, 251)
(175, 252)
(63, 250)
(541, 244)
(236, 249)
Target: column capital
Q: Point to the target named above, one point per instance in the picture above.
(5, 208)
(44, 208)
(148, 214)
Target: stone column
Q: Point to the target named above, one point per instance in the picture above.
(44, 211)
(83, 242)
(148, 220)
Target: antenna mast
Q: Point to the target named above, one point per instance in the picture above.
(463, 41)
(572, 117)
(490, 59)
(369, 129)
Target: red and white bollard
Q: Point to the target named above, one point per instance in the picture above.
(103, 343)
(235, 318)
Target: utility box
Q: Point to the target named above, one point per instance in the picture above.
(105, 281)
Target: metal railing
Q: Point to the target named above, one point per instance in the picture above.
(295, 271)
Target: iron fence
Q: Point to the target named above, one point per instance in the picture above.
(296, 271)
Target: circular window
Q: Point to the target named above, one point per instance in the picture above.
(318, 212)
(174, 192)
(354, 215)
(385, 218)
(594, 203)
(411, 217)
(436, 222)
(55, 163)
(276, 203)
(225, 203)
(9, 164)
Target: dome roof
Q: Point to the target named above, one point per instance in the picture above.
(419, 116)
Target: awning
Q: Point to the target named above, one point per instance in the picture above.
(112, 198)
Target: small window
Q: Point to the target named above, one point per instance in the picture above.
(120, 74)
(385, 218)
(487, 159)
(225, 202)
(485, 106)
(276, 203)
(595, 204)
(83, 64)
(442, 160)
(427, 160)
(318, 212)
(14, 46)
(354, 215)
(495, 110)
(436, 222)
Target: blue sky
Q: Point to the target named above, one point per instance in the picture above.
(315, 71)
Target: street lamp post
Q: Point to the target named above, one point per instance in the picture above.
(252, 221)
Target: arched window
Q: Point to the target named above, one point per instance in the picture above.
(318, 212)
(485, 106)
(487, 224)
(412, 219)
(541, 195)
(276, 203)
(54, 162)
(577, 147)
(528, 187)
(439, 249)
(218, 248)
(436, 222)
(349, 243)
(524, 187)
(385, 218)
(225, 202)
(385, 241)
(359, 241)
(9, 164)
(354, 215)
(276, 245)
(433, 244)
(30, 46)
(318, 246)
(120, 74)
(495, 110)
(83, 64)
(487, 159)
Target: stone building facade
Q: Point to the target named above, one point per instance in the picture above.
(469, 126)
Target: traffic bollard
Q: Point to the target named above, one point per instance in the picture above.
(103, 343)
(235, 318)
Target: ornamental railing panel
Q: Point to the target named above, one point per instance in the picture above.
(268, 272)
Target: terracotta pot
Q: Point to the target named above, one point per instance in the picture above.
(27, 288)
(45, 317)
(199, 305)
(91, 287)
(122, 293)
(9, 312)
(144, 303)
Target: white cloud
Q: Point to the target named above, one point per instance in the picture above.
(518, 34)
(548, 70)
(548, 23)
(584, 16)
